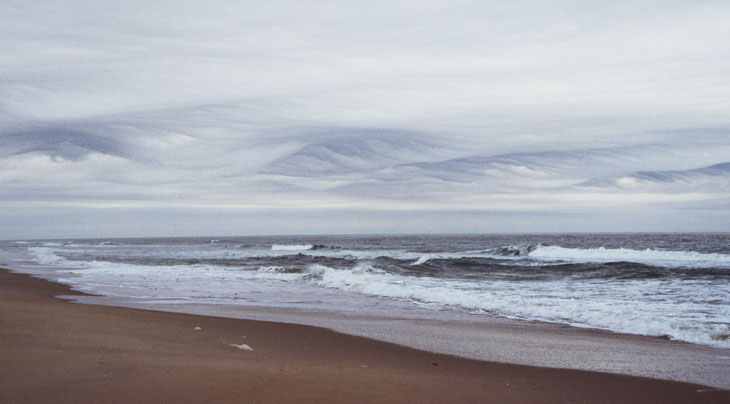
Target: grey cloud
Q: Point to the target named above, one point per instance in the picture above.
(346, 151)
(60, 142)
(714, 179)
(355, 166)
(483, 111)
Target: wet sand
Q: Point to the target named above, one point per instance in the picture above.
(492, 339)
(55, 351)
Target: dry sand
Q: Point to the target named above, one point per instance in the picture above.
(54, 351)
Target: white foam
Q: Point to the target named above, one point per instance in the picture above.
(243, 347)
(291, 247)
(685, 310)
(683, 316)
(689, 259)
(46, 255)
(423, 259)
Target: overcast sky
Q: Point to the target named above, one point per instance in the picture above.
(191, 118)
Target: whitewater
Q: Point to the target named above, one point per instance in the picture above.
(675, 286)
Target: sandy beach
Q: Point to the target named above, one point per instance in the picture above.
(55, 351)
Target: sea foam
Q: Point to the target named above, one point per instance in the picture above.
(650, 291)
(291, 247)
(648, 256)
(46, 255)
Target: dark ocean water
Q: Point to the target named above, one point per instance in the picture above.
(674, 285)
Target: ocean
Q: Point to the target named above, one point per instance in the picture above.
(675, 286)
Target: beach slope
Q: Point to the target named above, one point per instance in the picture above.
(54, 351)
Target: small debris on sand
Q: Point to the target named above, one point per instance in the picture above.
(242, 346)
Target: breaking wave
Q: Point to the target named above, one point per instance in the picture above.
(46, 256)
(291, 247)
(535, 254)
(515, 251)
(302, 247)
(652, 291)
(554, 302)
(689, 259)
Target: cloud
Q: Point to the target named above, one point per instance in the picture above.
(472, 109)
(713, 179)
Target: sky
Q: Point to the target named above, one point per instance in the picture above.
(192, 118)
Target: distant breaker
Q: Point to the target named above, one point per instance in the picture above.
(516, 251)
(301, 247)
(671, 259)
(531, 253)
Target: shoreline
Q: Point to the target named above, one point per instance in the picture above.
(58, 351)
(496, 340)
(477, 337)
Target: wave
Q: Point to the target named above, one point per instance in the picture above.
(690, 311)
(535, 254)
(324, 247)
(291, 247)
(525, 255)
(549, 303)
(302, 247)
(515, 251)
(492, 253)
(423, 259)
(46, 256)
(689, 259)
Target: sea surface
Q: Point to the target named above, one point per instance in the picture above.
(675, 286)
